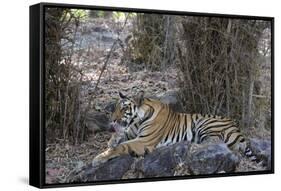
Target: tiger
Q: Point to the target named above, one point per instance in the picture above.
(150, 124)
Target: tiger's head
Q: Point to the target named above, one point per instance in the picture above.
(126, 110)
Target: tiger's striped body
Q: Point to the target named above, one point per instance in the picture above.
(152, 124)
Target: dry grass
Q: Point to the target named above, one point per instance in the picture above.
(62, 159)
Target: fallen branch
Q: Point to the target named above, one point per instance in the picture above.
(261, 96)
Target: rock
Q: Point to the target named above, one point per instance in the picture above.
(211, 159)
(107, 38)
(179, 159)
(200, 159)
(262, 148)
(110, 106)
(97, 122)
(163, 160)
(80, 164)
(171, 98)
(111, 170)
(99, 29)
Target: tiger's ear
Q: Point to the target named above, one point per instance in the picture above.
(139, 98)
(122, 96)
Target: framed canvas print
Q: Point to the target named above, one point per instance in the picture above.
(130, 95)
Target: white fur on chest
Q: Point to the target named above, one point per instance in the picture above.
(140, 113)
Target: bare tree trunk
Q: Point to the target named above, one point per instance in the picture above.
(226, 71)
(64, 127)
(227, 95)
(187, 73)
(77, 110)
(243, 108)
(250, 100)
(166, 43)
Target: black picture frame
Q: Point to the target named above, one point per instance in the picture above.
(37, 95)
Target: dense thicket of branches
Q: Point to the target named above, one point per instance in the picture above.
(219, 61)
(70, 65)
(62, 105)
(152, 42)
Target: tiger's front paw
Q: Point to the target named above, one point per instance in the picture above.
(102, 158)
(99, 160)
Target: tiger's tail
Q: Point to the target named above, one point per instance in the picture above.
(250, 154)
